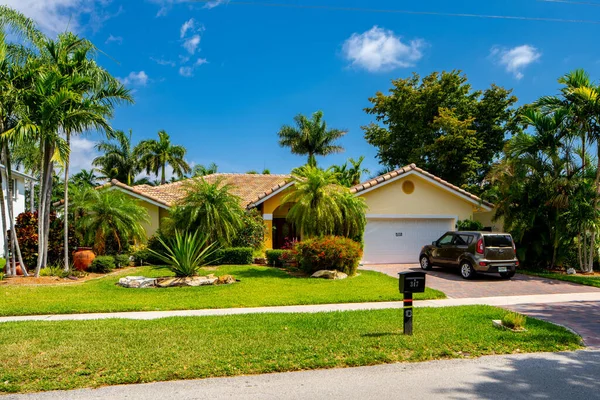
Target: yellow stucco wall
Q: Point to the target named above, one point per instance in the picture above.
(154, 223)
(269, 207)
(487, 219)
(426, 199)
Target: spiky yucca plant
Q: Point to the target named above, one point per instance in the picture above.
(185, 253)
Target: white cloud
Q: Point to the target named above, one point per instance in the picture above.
(379, 50)
(82, 153)
(112, 38)
(135, 78)
(54, 16)
(162, 61)
(187, 25)
(215, 3)
(515, 60)
(201, 61)
(188, 72)
(191, 44)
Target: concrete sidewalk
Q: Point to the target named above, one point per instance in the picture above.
(149, 315)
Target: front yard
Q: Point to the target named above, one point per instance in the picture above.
(258, 286)
(39, 356)
(588, 280)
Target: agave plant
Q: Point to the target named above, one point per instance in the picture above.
(185, 253)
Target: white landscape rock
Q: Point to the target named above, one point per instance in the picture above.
(138, 282)
(335, 274)
(571, 271)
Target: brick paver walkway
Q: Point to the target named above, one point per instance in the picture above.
(453, 285)
(582, 317)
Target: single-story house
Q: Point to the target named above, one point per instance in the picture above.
(17, 184)
(407, 208)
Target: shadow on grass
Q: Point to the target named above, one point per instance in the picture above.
(261, 273)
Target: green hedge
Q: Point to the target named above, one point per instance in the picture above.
(234, 256)
(329, 252)
(122, 260)
(102, 264)
(274, 258)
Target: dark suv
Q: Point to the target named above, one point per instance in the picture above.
(472, 252)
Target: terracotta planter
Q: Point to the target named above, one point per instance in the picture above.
(82, 258)
(19, 270)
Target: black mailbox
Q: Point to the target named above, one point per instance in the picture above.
(412, 282)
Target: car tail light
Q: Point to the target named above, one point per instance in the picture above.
(483, 264)
(480, 247)
(517, 263)
(514, 248)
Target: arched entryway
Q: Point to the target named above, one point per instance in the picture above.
(283, 231)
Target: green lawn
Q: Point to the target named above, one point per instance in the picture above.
(39, 356)
(581, 279)
(258, 286)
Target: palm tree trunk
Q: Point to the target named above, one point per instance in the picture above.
(31, 195)
(4, 227)
(11, 217)
(66, 206)
(44, 204)
(163, 178)
(312, 160)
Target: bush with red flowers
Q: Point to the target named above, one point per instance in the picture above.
(329, 252)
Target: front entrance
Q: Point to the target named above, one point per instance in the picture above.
(283, 232)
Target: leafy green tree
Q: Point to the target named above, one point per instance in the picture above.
(110, 216)
(118, 160)
(209, 208)
(324, 207)
(311, 137)
(410, 126)
(155, 155)
(85, 178)
(202, 170)
(350, 173)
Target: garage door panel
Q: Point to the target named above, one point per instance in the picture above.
(398, 241)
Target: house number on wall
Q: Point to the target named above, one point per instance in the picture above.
(398, 234)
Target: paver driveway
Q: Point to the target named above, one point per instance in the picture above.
(450, 282)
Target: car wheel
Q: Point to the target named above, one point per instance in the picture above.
(425, 264)
(507, 275)
(467, 271)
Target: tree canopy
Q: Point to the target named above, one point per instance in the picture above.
(441, 124)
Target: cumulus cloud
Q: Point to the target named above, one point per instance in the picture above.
(82, 153)
(215, 3)
(162, 61)
(516, 59)
(191, 44)
(187, 25)
(201, 61)
(117, 39)
(187, 72)
(54, 16)
(135, 79)
(381, 50)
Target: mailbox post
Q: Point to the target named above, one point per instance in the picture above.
(410, 282)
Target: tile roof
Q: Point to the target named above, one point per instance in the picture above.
(412, 167)
(250, 188)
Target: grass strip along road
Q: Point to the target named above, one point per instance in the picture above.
(39, 356)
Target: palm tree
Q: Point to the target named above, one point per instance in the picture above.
(209, 208)
(85, 178)
(119, 160)
(111, 216)
(155, 155)
(323, 207)
(201, 170)
(350, 175)
(311, 137)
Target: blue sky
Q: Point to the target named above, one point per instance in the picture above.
(223, 80)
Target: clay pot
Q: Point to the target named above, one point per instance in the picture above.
(82, 258)
(19, 270)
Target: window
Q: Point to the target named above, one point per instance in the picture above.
(446, 239)
(408, 187)
(463, 240)
(498, 241)
(13, 188)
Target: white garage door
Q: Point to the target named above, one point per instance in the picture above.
(398, 241)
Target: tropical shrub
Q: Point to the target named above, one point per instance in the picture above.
(329, 252)
(514, 320)
(469, 225)
(323, 207)
(122, 260)
(27, 234)
(110, 215)
(253, 230)
(102, 264)
(274, 257)
(185, 253)
(234, 256)
(209, 208)
(54, 270)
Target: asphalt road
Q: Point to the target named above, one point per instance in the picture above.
(541, 376)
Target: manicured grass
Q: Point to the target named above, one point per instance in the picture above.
(258, 286)
(581, 279)
(39, 356)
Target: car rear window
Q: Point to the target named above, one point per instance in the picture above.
(498, 241)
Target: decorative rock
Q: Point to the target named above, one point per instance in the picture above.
(137, 282)
(180, 282)
(335, 274)
(571, 271)
(225, 280)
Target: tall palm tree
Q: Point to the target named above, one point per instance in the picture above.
(202, 170)
(311, 137)
(323, 207)
(350, 175)
(209, 208)
(85, 178)
(119, 160)
(111, 216)
(155, 155)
